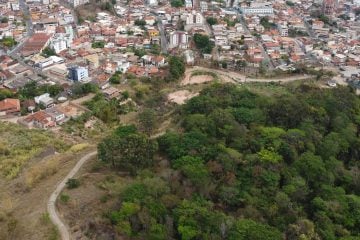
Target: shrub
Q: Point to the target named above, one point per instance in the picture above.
(64, 198)
(72, 183)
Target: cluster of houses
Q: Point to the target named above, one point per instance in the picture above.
(12, 23)
(291, 34)
(50, 114)
(275, 34)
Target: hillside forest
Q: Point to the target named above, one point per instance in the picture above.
(243, 165)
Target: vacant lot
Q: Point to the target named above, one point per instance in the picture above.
(32, 163)
(180, 97)
(18, 145)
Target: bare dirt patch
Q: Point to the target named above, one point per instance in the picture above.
(180, 97)
(198, 79)
(83, 209)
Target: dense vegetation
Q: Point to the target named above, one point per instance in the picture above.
(176, 68)
(48, 51)
(8, 42)
(33, 89)
(177, 3)
(211, 20)
(244, 166)
(99, 44)
(203, 43)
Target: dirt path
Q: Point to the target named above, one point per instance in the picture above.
(63, 230)
(228, 76)
(83, 99)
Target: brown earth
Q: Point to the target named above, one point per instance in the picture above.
(23, 201)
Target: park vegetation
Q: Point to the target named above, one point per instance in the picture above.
(243, 165)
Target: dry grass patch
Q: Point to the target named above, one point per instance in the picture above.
(49, 166)
(19, 145)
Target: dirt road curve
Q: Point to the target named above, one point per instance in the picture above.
(229, 76)
(63, 230)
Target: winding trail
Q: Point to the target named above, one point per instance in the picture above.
(51, 207)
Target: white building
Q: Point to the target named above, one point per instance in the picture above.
(283, 30)
(179, 39)
(15, 7)
(152, 2)
(62, 41)
(49, 61)
(188, 3)
(203, 6)
(122, 66)
(59, 44)
(194, 19)
(257, 8)
(68, 18)
(76, 3)
(44, 100)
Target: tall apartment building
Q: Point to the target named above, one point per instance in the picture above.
(77, 73)
(179, 39)
(194, 18)
(62, 41)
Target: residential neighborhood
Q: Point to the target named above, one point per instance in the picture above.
(51, 44)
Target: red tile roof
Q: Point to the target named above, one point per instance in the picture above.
(35, 43)
(10, 105)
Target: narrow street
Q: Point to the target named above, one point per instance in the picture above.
(264, 53)
(29, 27)
(309, 30)
(25, 9)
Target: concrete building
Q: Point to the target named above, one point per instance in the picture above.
(283, 30)
(45, 100)
(194, 19)
(179, 39)
(61, 41)
(257, 8)
(77, 73)
(203, 6)
(188, 4)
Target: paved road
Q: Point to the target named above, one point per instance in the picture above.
(29, 26)
(51, 207)
(26, 12)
